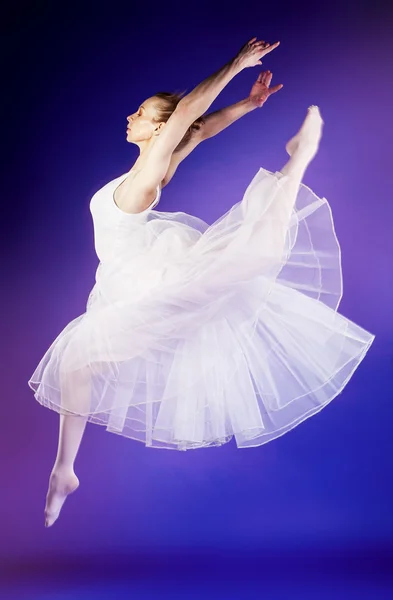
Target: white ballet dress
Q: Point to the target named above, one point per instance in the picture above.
(196, 333)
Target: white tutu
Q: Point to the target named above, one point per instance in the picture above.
(194, 333)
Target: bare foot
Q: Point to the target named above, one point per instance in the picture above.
(61, 484)
(307, 138)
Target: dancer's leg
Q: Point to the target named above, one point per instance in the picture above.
(303, 146)
(63, 481)
(71, 430)
(302, 149)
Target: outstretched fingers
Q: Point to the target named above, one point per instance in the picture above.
(268, 78)
(275, 89)
(262, 77)
(265, 78)
(269, 48)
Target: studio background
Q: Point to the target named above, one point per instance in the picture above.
(320, 494)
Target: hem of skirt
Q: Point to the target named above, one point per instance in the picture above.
(280, 178)
(188, 445)
(360, 356)
(314, 410)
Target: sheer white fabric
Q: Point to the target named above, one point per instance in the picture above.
(196, 333)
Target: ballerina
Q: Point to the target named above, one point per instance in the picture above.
(194, 334)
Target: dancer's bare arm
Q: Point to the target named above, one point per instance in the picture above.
(219, 120)
(192, 106)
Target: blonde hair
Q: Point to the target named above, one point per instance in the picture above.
(167, 102)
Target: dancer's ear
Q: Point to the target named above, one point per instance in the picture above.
(159, 128)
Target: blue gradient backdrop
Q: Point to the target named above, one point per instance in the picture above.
(314, 503)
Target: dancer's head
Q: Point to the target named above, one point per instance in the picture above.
(149, 120)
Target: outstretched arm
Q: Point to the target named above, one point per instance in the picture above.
(213, 124)
(200, 98)
(192, 106)
(219, 120)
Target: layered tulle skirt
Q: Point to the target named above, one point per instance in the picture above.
(194, 334)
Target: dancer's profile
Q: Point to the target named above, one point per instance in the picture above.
(196, 333)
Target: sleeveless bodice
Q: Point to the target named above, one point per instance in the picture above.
(113, 226)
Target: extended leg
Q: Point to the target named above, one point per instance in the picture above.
(63, 481)
(302, 148)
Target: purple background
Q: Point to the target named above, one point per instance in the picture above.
(317, 499)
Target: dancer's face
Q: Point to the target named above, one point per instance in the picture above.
(142, 125)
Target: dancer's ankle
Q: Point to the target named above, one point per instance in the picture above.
(61, 466)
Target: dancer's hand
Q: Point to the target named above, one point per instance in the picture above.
(251, 53)
(261, 89)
